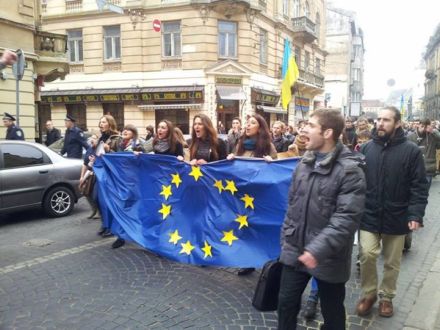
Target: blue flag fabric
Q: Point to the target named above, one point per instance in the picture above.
(226, 213)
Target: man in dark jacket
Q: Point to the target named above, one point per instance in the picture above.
(397, 194)
(279, 141)
(13, 132)
(325, 204)
(428, 140)
(52, 134)
(74, 139)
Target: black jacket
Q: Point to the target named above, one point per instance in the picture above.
(14, 133)
(325, 206)
(52, 136)
(397, 189)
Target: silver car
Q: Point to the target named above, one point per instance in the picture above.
(33, 175)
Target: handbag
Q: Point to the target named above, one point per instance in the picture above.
(88, 184)
(268, 286)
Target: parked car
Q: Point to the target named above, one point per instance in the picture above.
(32, 175)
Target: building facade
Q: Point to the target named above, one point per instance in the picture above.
(432, 75)
(345, 62)
(45, 57)
(173, 59)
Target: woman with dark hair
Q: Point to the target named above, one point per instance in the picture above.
(205, 146)
(255, 142)
(165, 142)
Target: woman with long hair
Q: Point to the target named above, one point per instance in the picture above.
(205, 145)
(109, 133)
(255, 142)
(165, 142)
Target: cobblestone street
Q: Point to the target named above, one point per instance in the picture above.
(77, 281)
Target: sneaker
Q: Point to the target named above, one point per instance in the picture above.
(245, 271)
(310, 310)
(118, 243)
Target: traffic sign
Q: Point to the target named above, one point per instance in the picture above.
(156, 25)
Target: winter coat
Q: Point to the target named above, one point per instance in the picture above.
(429, 145)
(325, 206)
(397, 189)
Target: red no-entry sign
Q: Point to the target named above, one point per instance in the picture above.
(156, 25)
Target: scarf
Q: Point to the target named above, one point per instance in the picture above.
(249, 144)
(300, 142)
(161, 146)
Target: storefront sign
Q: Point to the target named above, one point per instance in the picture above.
(109, 98)
(172, 96)
(90, 98)
(302, 103)
(228, 80)
(130, 97)
(262, 97)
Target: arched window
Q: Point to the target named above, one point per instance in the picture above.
(307, 9)
(318, 25)
(296, 8)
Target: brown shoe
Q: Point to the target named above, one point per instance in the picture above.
(364, 306)
(386, 308)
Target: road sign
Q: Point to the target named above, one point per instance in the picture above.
(156, 25)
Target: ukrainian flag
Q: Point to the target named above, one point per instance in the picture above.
(290, 74)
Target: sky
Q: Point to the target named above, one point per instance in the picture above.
(396, 33)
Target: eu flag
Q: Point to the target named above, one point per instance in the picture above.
(226, 213)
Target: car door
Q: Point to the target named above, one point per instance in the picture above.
(24, 175)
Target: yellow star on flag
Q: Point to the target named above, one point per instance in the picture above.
(174, 237)
(248, 201)
(242, 220)
(230, 185)
(219, 185)
(166, 191)
(229, 237)
(196, 172)
(176, 179)
(186, 247)
(165, 210)
(207, 249)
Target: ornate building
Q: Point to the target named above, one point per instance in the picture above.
(45, 58)
(143, 61)
(432, 75)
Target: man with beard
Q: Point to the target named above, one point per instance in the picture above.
(397, 194)
(428, 140)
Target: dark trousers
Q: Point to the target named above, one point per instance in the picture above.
(293, 283)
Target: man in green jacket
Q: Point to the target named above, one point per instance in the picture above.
(428, 140)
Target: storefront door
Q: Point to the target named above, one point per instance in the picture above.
(227, 110)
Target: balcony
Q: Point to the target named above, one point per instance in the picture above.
(52, 51)
(73, 6)
(304, 29)
(308, 77)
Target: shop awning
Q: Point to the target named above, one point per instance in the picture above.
(272, 109)
(231, 93)
(152, 107)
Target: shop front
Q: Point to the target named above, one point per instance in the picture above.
(230, 99)
(265, 103)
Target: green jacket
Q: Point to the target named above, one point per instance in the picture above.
(429, 145)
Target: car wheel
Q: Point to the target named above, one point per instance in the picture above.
(58, 202)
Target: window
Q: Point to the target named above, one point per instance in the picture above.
(286, 7)
(22, 156)
(263, 46)
(296, 8)
(307, 9)
(171, 39)
(306, 60)
(112, 42)
(298, 56)
(318, 66)
(227, 39)
(75, 45)
(318, 25)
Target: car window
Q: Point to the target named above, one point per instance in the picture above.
(22, 155)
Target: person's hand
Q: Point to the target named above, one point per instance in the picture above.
(231, 156)
(137, 153)
(267, 158)
(180, 158)
(106, 147)
(8, 57)
(308, 260)
(193, 162)
(413, 225)
(201, 162)
(92, 158)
